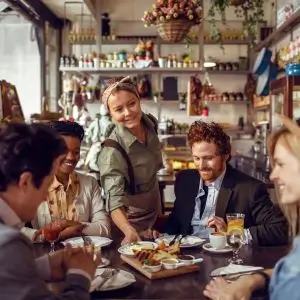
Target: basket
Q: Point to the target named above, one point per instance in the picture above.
(237, 2)
(175, 30)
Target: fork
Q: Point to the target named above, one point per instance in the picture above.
(106, 275)
(174, 239)
(87, 241)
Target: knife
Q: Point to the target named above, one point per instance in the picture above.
(235, 274)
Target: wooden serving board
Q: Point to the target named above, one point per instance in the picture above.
(136, 264)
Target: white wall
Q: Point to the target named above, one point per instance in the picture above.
(20, 61)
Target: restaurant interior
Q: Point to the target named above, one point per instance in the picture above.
(230, 64)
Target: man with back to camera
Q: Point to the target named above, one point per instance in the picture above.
(206, 194)
(29, 156)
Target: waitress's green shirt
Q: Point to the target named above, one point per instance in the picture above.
(146, 160)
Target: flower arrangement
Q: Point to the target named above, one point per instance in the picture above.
(168, 10)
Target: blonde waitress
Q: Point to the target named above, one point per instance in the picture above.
(132, 198)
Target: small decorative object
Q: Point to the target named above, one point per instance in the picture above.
(225, 97)
(115, 56)
(205, 111)
(182, 101)
(241, 123)
(10, 106)
(89, 93)
(250, 86)
(251, 12)
(173, 19)
(105, 25)
(161, 62)
(122, 55)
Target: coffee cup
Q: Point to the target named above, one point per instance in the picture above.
(218, 240)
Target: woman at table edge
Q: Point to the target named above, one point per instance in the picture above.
(283, 281)
(133, 213)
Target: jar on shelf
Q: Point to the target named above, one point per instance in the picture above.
(115, 56)
(228, 66)
(221, 67)
(110, 56)
(102, 64)
(235, 66)
(196, 64)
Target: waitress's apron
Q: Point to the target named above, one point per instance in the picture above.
(143, 209)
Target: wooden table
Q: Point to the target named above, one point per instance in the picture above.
(187, 286)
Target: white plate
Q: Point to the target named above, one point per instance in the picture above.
(128, 249)
(207, 247)
(104, 262)
(99, 241)
(187, 242)
(126, 279)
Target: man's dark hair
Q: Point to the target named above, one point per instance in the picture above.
(27, 148)
(68, 128)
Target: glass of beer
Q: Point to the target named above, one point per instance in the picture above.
(235, 235)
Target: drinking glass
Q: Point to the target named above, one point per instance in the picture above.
(235, 235)
(51, 233)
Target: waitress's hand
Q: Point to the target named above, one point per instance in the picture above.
(131, 236)
(150, 234)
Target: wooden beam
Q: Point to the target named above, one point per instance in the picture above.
(45, 13)
(25, 11)
(280, 32)
(91, 6)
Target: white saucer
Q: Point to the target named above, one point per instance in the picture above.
(207, 247)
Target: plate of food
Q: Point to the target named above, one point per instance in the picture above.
(130, 249)
(187, 241)
(159, 262)
(98, 241)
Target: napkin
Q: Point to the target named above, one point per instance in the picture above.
(118, 281)
(233, 269)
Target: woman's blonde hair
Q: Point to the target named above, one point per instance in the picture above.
(292, 141)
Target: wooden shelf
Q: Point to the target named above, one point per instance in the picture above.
(134, 40)
(149, 70)
(280, 32)
(88, 42)
(226, 102)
